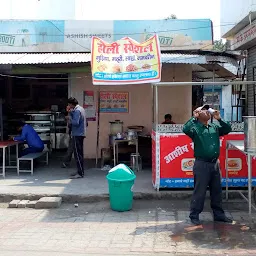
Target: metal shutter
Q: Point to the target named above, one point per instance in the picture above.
(251, 64)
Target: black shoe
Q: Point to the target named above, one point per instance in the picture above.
(64, 165)
(77, 176)
(196, 222)
(223, 219)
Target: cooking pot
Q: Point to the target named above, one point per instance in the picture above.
(116, 127)
(131, 134)
(37, 117)
(137, 128)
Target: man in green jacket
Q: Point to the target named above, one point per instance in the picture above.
(206, 167)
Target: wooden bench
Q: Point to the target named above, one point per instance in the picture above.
(31, 157)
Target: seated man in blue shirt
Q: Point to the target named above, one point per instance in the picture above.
(30, 136)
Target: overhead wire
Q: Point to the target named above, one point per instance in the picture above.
(123, 34)
(63, 34)
(40, 78)
(131, 33)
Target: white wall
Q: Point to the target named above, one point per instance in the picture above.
(233, 11)
(175, 100)
(226, 101)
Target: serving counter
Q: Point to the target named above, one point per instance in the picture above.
(173, 158)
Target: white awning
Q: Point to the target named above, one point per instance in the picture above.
(60, 58)
(43, 58)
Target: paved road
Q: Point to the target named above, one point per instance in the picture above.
(151, 228)
(33, 253)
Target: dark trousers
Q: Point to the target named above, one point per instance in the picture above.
(30, 150)
(78, 146)
(68, 157)
(206, 175)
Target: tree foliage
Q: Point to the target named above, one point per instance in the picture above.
(171, 17)
(219, 45)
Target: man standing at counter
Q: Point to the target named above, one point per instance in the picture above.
(206, 167)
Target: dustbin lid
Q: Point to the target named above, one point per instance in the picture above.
(121, 172)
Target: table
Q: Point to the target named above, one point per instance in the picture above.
(239, 144)
(7, 145)
(116, 146)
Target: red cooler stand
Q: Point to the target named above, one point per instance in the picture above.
(173, 160)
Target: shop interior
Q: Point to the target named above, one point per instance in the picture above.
(39, 100)
(200, 95)
(130, 134)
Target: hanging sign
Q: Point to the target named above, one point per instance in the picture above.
(89, 106)
(125, 61)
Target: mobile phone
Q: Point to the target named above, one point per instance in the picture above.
(210, 110)
(205, 107)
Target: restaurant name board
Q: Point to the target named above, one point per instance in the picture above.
(244, 36)
(125, 61)
(81, 35)
(75, 35)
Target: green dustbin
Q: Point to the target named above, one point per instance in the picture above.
(120, 183)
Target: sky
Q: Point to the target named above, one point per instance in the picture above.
(113, 10)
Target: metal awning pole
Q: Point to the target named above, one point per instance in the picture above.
(98, 128)
(156, 110)
(153, 103)
(1, 120)
(213, 79)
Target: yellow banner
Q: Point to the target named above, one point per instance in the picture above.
(125, 61)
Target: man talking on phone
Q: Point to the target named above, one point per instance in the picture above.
(77, 120)
(206, 167)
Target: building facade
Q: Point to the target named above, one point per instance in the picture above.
(46, 61)
(238, 24)
(59, 50)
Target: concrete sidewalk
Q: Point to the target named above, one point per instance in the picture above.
(28, 253)
(33, 253)
(54, 181)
